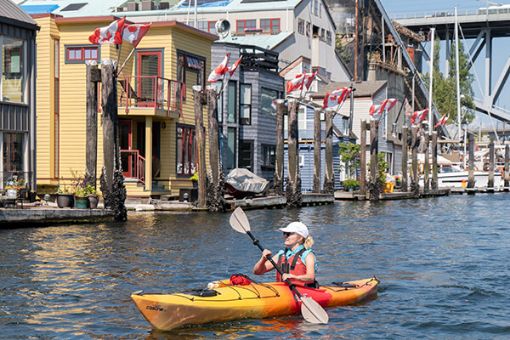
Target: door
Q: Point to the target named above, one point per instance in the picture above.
(149, 81)
(127, 155)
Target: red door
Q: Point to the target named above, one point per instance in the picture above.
(128, 156)
(149, 84)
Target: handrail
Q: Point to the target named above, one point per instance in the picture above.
(135, 164)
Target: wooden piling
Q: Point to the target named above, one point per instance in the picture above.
(426, 165)
(471, 175)
(490, 182)
(279, 162)
(198, 95)
(404, 157)
(317, 150)
(363, 159)
(92, 78)
(434, 182)
(374, 189)
(293, 190)
(215, 185)
(329, 180)
(507, 167)
(415, 184)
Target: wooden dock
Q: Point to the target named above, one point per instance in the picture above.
(311, 199)
(268, 202)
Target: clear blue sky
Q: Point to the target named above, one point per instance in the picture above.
(501, 46)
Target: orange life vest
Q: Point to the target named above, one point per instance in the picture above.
(292, 265)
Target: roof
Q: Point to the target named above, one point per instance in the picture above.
(265, 41)
(11, 14)
(72, 8)
(362, 89)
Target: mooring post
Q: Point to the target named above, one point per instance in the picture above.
(215, 185)
(363, 159)
(426, 165)
(507, 167)
(329, 180)
(374, 187)
(279, 162)
(293, 189)
(198, 97)
(434, 161)
(317, 150)
(404, 157)
(471, 175)
(415, 181)
(490, 182)
(93, 77)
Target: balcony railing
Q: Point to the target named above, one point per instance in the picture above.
(133, 164)
(151, 91)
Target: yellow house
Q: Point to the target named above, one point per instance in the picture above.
(155, 100)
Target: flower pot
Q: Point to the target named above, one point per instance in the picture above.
(93, 201)
(81, 202)
(65, 200)
(11, 193)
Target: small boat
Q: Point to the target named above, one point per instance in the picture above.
(455, 177)
(254, 300)
(241, 183)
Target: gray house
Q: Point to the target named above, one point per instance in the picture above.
(246, 115)
(17, 96)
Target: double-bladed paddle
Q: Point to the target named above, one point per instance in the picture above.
(310, 309)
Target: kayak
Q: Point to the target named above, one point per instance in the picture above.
(226, 302)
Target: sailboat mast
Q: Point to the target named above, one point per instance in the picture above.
(432, 41)
(457, 76)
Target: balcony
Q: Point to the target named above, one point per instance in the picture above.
(150, 96)
(133, 165)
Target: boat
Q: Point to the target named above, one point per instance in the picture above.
(226, 302)
(241, 183)
(454, 177)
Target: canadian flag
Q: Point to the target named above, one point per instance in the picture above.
(296, 83)
(134, 33)
(387, 104)
(111, 34)
(374, 110)
(336, 97)
(219, 71)
(441, 121)
(418, 116)
(309, 78)
(234, 67)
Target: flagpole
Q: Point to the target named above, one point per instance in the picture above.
(127, 59)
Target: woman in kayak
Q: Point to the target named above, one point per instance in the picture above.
(297, 260)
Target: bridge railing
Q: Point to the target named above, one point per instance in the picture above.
(448, 13)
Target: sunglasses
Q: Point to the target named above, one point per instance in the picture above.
(286, 234)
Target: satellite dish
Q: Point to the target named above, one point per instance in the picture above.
(222, 27)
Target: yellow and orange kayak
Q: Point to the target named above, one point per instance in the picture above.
(257, 300)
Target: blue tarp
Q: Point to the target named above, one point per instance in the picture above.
(38, 9)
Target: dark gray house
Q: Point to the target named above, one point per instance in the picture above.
(246, 115)
(17, 96)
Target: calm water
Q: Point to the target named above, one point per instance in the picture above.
(443, 265)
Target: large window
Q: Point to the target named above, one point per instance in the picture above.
(230, 149)
(268, 156)
(13, 153)
(81, 54)
(13, 69)
(300, 26)
(190, 70)
(243, 25)
(273, 25)
(231, 102)
(267, 97)
(246, 154)
(245, 104)
(185, 150)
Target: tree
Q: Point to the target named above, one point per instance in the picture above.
(349, 154)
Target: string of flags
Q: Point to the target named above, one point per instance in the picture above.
(118, 31)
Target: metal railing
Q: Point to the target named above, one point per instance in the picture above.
(133, 164)
(451, 13)
(151, 91)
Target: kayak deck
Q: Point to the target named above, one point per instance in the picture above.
(256, 300)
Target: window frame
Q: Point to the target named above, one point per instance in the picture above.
(245, 25)
(82, 48)
(191, 148)
(272, 24)
(265, 152)
(182, 69)
(242, 104)
(262, 89)
(301, 26)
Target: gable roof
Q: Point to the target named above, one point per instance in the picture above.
(11, 14)
(362, 88)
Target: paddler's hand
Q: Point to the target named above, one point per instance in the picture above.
(266, 254)
(287, 276)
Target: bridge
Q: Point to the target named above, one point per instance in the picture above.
(483, 26)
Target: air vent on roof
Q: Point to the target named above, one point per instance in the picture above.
(73, 7)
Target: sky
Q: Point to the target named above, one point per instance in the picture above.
(501, 46)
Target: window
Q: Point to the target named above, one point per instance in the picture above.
(271, 25)
(328, 37)
(202, 25)
(229, 149)
(267, 97)
(80, 54)
(301, 116)
(13, 152)
(73, 7)
(315, 5)
(190, 69)
(323, 34)
(308, 28)
(268, 156)
(243, 25)
(185, 150)
(246, 154)
(13, 71)
(245, 104)
(211, 27)
(231, 102)
(300, 26)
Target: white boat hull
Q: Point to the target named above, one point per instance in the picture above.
(460, 179)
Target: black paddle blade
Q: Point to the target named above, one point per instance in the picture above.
(312, 311)
(239, 221)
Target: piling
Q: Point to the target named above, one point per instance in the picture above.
(434, 182)
(329, 176)
(507, 167)
(415, 185)
(278, 167)
(317, 151)
(471, 175)
(92, 78)
(426, 165)
(198, 97)
(215, 185)
(293, 190)
(490, 183)
(404, 157)
(374, 166)
(363, 159)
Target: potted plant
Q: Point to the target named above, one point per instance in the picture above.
(194, 179)
(351, 184)
(13, 185)
(92, 196)
(65, 197)
(81, 199)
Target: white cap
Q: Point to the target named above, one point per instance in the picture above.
(296, 227)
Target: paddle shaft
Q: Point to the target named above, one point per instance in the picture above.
(277, 267)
